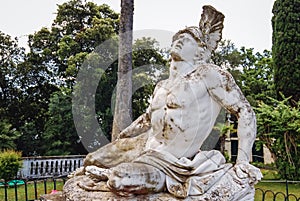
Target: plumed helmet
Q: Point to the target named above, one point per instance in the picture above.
(209, 32)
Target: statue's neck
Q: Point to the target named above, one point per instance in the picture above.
(181, 68)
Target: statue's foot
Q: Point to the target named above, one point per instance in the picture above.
(96, 173)
(77, 172)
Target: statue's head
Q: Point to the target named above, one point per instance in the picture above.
(192, 31)
(209, 32)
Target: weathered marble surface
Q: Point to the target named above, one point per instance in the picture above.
(159, 153)
(53, 197)
(227, 189)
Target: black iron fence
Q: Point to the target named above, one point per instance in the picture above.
(268, 195)
(30, 190)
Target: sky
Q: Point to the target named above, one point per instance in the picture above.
(247, 22)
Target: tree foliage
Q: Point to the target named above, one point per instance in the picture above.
(286, 49)
(278, 121)
(77, 29)
(149, 67)
(53, 61)
(10, 57)
(253, 72)
(279, 129)
(60, 133)
(8, 135)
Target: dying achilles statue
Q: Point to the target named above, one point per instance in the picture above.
(158, 155)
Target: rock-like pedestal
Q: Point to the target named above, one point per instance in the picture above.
(53, 197)
(229, 188)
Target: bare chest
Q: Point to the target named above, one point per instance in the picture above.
(180, 93)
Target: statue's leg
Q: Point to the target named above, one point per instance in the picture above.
(119, 151)
(97, 164)
(129, 179)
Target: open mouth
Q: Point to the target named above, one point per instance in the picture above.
(176, 57)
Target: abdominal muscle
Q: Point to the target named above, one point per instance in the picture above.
(181, 121)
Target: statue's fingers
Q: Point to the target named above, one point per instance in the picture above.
(240, 173)
(255, 176)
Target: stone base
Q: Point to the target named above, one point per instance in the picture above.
(53, 197)
(228, 188)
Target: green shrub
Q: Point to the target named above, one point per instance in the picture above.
(10, 163)
(278, 126)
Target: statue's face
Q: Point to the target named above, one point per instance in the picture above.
(184, 48)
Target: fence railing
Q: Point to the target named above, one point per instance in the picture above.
(32, 190)
(49, 166)
(268, 195)
(29, 190)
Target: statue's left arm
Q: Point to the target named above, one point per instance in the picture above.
(222, 87)
(226, 92)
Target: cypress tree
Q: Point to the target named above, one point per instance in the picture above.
(286, 48)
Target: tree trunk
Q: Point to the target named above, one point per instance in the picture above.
(123, 105)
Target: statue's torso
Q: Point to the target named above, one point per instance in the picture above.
(182, 115)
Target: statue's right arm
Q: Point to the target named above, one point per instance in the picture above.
(139, 126)
(142, 123)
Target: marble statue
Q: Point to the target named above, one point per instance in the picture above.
(158, 155)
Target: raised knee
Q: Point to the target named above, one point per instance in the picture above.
(93, 159)
(88, 160)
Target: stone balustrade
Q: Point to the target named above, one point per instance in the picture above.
(49, 166)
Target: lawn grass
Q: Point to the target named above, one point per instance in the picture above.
(31, 193)
(276, 187)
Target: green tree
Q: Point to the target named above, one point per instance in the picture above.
(8, 135)
(33, 81)
(93, 95)
(227, 55)
(79, 28)
(30, 141)
(10, 57)
(149, 67)
(286, 49)
(257, 78)
(60, 133)
(253, 72)
(55, 56)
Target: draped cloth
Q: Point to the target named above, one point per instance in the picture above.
(187, 177)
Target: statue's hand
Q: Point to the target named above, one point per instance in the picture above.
(245, 170)
(123, 134)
